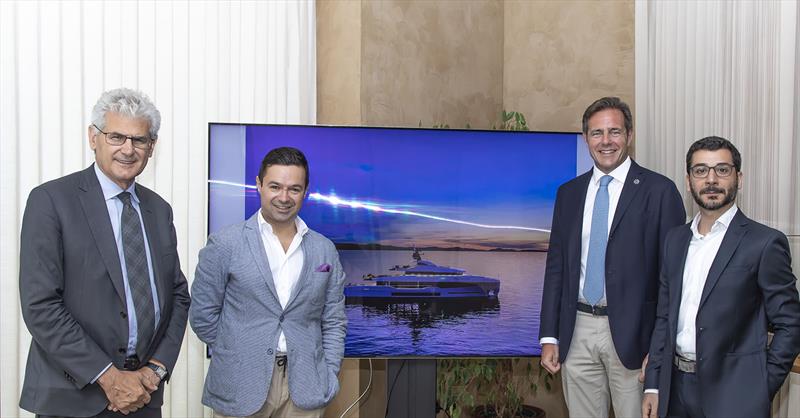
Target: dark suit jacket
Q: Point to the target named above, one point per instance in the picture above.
(749, 286)
(73, 297)
(647, 208)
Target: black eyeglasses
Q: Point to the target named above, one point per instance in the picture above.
(117, 139)
(700, 171)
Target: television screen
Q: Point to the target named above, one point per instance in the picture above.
(442, 233)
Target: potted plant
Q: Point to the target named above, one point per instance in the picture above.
(491, 387)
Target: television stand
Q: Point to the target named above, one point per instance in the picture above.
(411, 388)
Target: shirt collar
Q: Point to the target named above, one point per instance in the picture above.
(111, 189)
(620, 173)
(263, 225)
(724, 221)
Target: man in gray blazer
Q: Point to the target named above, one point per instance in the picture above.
(268, 300)
(100, 283)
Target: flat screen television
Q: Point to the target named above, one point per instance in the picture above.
(442, 233)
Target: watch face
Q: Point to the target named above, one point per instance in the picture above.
(158, 370)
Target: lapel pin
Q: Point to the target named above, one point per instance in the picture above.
(635, 181)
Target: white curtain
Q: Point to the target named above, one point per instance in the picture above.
(732, 69)
(727, 68)
(200, 62)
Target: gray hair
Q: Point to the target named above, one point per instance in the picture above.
(129, 103)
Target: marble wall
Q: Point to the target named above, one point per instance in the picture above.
(339, 62)
(420, 62)
(561, 56)
(431, 62)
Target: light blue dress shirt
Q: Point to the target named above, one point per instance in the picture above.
(114, 205)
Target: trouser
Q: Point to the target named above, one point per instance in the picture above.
(278, 403)
(593, 376)
(684, 401)
(141, 413)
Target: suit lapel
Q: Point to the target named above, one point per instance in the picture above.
(676, 280)
(633, 183)
(253, 236)
(736, 231)
(96, 212)
(575, 231)
(307, 247)
(150, 226)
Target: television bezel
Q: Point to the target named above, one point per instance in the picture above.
(247, 124)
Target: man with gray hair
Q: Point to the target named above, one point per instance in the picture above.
(101, 288)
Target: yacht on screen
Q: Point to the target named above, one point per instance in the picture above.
(424, 280)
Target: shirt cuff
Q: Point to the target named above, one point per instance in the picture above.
(101, 373)
(548, 340)
(655, 391)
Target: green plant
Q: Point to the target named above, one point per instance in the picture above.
(492, 379)
(511, 121)
(463, 384)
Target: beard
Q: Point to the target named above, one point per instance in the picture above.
(729, 195)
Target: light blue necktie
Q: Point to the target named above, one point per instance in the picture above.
(595, 280)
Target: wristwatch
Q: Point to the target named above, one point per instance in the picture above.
(158, 370)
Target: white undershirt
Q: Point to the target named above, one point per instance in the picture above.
(619, 175)
(285, 266)
(701, 254)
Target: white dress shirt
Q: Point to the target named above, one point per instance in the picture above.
(702, 251)
(619, 175)
(285, 265)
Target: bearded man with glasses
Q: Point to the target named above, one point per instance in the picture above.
(101, 288)
(725, 279)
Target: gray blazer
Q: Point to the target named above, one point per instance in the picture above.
(73, 297)
(235, 310)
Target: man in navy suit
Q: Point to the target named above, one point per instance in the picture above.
(601, 279)
(724, 279)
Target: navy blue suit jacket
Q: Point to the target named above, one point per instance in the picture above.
(749, 286)
(648, 207)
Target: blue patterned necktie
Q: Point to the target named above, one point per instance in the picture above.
(595, 280)
(138, 273)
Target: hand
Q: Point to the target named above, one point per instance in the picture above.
(650, 405)
(149, 379)
(550, 358)
(644, 366)
(124, 390)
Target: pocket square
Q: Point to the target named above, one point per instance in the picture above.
(323, 268)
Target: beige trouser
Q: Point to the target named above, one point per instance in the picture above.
(278, 403)
(592, 371)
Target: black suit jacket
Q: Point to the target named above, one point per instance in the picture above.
(647, 208)
(73, 297)
(749, 286)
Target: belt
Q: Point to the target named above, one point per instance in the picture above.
(280, 361)
(131, 363)
(594, 310)
(684, 364)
